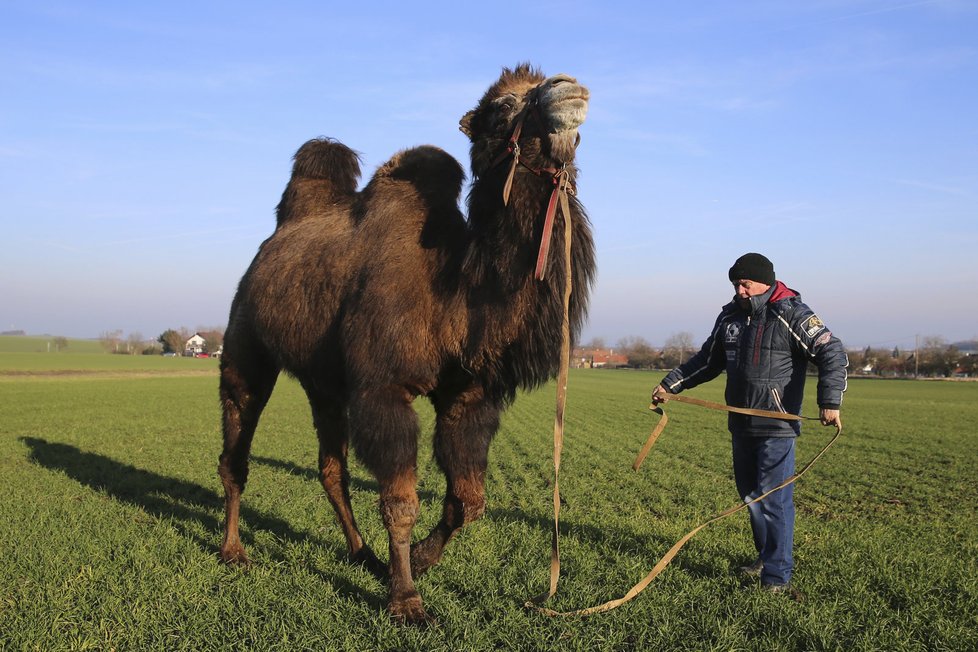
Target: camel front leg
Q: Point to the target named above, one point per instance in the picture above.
(384, 431)
(464, 502)
(399, 510)
(465, 427)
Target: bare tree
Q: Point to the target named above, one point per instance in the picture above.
(213, 336)
(639, 352)
(677, 348)
(596, 343)
(134, 343)
(110, 340)
(935, 357)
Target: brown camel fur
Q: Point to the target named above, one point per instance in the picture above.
(373, 298)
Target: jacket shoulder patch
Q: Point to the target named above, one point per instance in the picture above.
(813, 326)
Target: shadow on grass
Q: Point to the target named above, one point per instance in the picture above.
(356, 484)
(186, 503)
(649, 545)
(191, 508)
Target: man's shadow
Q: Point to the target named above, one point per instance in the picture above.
(187, 505)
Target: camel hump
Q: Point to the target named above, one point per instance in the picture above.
(435, 173)
(325, 158)
(324, 172)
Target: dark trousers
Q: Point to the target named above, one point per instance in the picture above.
(760, 464)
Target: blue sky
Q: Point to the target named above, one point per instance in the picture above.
(144, 146)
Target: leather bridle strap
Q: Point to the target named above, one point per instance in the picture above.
(668, 557)
(561, 184)
(557, 197)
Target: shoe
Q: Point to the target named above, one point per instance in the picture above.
(754, 570)
(785, 590)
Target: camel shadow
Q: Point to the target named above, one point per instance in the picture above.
(188, 506)
(357, 484)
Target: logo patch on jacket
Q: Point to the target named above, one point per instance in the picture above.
(733, 333)
(813, 326)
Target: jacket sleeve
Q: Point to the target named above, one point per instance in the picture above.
(825, 350)
(705, 365)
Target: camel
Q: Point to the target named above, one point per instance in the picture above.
(373, 298)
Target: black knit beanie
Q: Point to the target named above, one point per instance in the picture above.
(753, 267)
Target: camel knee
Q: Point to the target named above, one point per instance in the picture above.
(473, 510)
(469, 492)
(399, 513)
(463, 504)
(468, 506)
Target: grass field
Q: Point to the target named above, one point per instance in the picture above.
(111, 513)
(46, 344)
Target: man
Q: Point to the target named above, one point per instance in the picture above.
(764, 340)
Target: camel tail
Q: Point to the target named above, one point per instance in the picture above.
(324, 172)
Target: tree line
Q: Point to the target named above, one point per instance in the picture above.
(169, 341)
(642, 355)
(934, 357)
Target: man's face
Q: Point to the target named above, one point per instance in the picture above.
(746, 289)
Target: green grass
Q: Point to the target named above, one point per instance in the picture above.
(28, 358)
(46, 344)
(111, 517)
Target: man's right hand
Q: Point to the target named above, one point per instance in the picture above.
(659, 395)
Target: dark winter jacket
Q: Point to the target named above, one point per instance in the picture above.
(765, 351)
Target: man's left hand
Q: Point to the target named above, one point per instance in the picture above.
(830, 417)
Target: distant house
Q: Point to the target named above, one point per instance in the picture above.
(590, 358)
(195, 345)
(608, 359)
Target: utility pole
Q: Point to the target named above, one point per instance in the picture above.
(916, 355)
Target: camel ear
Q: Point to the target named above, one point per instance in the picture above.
(465, 124)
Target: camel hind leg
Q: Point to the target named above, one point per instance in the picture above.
(465, 426)
(245, 388)
(329, 417)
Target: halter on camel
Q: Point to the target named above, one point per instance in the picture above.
(559, 177)
(563, 187)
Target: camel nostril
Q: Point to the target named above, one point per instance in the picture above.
(556, 80)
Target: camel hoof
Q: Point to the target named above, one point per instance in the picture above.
(365, 557)
(235, 556)
(411, 611)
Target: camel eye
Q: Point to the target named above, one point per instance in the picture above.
(507, 104)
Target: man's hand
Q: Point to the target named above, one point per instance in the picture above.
(830, 417)
(659, 395)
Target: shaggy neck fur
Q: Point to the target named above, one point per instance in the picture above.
(520, 316)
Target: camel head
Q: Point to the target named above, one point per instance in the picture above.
(543, 113)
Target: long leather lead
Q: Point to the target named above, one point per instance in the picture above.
(674, 550)
(663, 419)
(559, 417)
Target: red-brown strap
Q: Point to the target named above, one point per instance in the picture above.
(557, 198)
